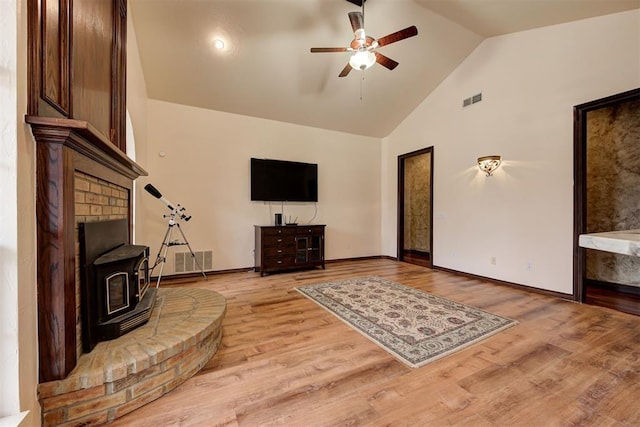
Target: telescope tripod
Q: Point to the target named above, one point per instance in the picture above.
(166, 242)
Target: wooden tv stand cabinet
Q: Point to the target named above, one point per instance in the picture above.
(288, 247)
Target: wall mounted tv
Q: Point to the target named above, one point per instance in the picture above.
(283, 181)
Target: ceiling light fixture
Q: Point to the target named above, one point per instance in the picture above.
(218, 43)
(488, 164)
(362, 59)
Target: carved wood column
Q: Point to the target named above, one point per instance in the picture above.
(56, 252)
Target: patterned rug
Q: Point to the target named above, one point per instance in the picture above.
(413, 325)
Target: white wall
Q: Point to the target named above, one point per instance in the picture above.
(206, 170)
(9, 399)
(18, 321)
(137, 110)
(530, 82)
(136, 91)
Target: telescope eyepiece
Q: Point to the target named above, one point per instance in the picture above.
(153, 191)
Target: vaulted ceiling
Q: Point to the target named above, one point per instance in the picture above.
(266, 69)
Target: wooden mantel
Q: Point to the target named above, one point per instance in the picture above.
(64, 146)
(80, 136)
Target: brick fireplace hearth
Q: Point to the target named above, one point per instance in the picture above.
(121, 375)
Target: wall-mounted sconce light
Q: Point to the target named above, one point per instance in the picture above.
(488, 164)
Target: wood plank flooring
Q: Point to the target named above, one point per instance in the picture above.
(286, 361)
(423, 259)
(617, 297)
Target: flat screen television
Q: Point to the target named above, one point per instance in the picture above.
(283, 181)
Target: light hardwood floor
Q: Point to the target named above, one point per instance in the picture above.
(286, 361)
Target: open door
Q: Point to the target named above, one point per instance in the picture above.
(606, 194)
(415, 207)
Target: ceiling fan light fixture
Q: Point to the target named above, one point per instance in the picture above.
(362, 59)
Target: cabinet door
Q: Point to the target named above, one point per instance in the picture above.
(314, 250)
(302, 246)
(309, 248)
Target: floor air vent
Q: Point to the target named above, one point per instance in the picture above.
(185, 263)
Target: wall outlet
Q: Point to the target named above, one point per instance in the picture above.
(493, 260)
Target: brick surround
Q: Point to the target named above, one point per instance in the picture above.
(121, 375)
(95, 200)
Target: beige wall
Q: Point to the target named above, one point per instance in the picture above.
(9, 399)
(530, 81)
(137, 111)
(205, 168)
(18, 321)
(136, 92)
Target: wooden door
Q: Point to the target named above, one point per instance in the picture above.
(415, 207)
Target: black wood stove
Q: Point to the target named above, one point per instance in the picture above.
(115, 293)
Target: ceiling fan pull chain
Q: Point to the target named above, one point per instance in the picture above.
(361, 83)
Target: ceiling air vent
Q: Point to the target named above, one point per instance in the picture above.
(472, 100)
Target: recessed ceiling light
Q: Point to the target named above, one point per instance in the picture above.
(218, 43)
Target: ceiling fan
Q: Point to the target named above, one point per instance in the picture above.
(364, 46)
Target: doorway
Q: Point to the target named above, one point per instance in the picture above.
(415, 207)
(606, 194)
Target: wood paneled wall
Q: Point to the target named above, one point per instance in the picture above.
(77, 63)
(77, 110)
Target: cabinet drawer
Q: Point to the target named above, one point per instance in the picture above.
(279, 251)
(277, 231)
(278, 241)
(278, 262)
(310, 229)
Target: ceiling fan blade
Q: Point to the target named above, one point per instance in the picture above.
(385, 61)
(345, 70)
(357, 2)
(357, 21)
(398, 35)
(328, 49)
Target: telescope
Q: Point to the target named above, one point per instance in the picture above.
(177, 210)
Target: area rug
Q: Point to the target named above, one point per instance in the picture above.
(414, 326)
